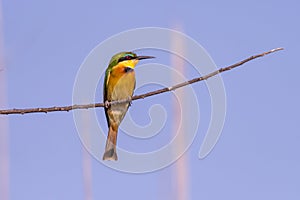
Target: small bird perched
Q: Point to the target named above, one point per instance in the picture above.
(119, 84)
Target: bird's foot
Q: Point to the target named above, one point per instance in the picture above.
(129, 101)
(106, 104)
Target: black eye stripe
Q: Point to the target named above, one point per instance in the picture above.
(121, 59)
(127, 57)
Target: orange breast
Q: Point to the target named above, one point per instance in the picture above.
(121, 83)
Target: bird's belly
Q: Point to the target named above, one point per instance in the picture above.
(116, 116)
(123, 89)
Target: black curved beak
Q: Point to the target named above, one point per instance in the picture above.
(144, 57)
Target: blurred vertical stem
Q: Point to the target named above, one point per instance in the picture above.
(181, 166)
(87, 161)
(4, 140)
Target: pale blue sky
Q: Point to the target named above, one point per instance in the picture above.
(257, 156)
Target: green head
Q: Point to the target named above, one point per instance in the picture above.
(124, 57)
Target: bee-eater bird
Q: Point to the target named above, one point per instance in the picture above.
(119, 84)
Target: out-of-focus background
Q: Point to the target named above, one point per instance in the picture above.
(43, 43)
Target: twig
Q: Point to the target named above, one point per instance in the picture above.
(136, 97)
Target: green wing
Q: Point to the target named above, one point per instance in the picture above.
(107, 74)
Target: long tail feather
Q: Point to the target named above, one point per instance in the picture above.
(110, 148)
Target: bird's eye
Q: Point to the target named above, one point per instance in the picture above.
(128, 57)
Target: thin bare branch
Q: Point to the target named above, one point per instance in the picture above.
(136, 97)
